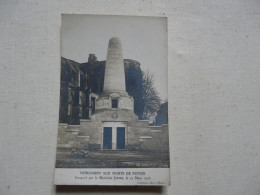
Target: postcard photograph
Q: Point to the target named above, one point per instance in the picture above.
(113, 112)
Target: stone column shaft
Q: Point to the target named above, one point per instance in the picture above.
(114, 81)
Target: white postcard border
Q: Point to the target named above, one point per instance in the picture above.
(112, 176)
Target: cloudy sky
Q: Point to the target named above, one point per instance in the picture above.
(143, 39)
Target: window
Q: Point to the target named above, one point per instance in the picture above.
(93, 105)
(114, 103)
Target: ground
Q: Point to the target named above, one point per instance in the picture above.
(67, 158)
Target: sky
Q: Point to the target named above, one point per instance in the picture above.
(143, 39)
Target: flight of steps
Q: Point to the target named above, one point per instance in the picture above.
(67, 136)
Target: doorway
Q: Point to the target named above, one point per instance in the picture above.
(114, 136)
(120, 138)
(107, 138)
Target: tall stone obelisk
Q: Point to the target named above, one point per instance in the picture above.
(114, 96)
(114, 81)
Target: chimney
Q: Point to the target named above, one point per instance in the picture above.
(92, 58)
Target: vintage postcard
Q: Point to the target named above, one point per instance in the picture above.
(113, 115)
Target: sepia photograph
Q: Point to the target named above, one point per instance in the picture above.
(113, 110)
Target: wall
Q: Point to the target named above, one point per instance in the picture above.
(214, 93)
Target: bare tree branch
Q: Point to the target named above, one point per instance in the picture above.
(151, 99)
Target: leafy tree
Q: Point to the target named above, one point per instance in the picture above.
(150, 96)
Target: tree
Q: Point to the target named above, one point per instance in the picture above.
(150, 96)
